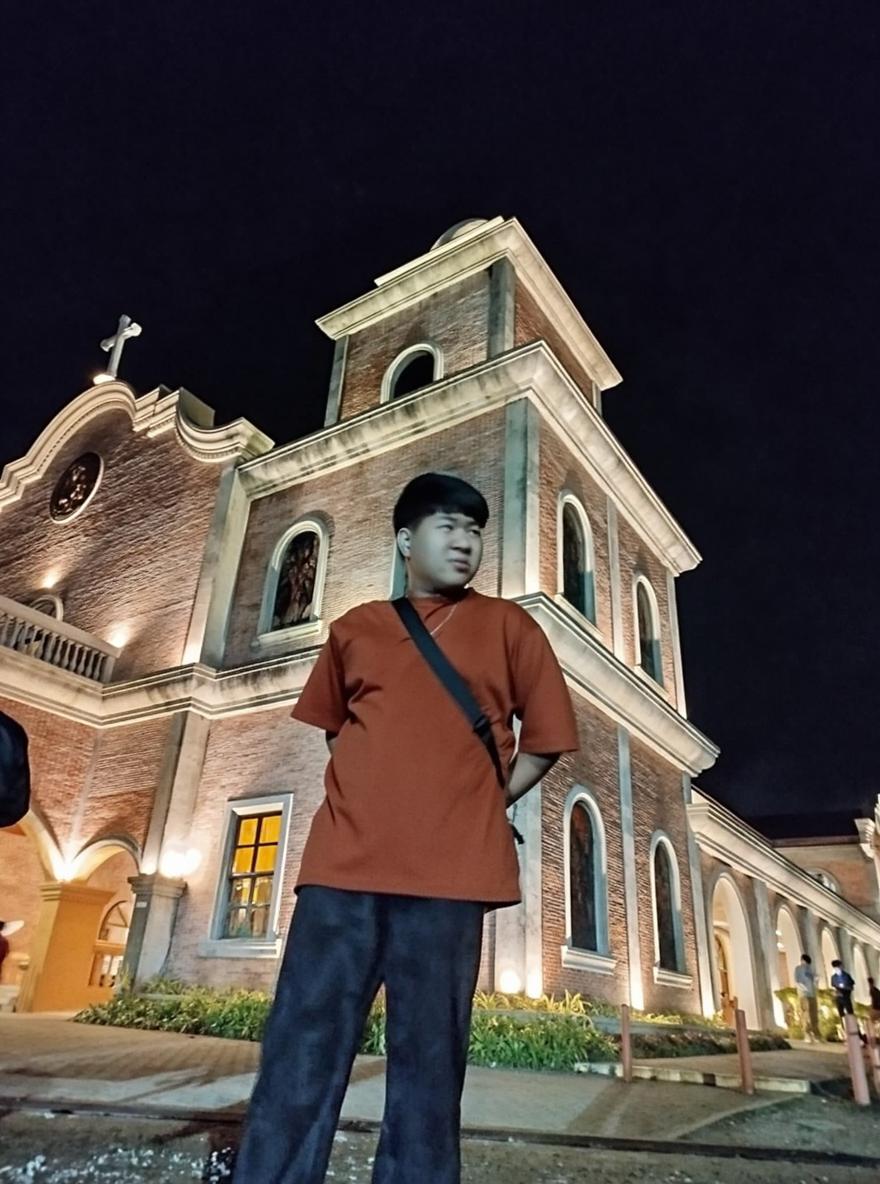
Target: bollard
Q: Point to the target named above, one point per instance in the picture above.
(856, 1061)
(873, 1055)
(747, 1078)
(626, 1051)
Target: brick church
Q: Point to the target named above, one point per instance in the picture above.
(167, 585)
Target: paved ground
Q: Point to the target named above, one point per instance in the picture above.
(88, 1151)
(46, 1061)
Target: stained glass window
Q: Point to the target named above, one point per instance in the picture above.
(582, 879)
(297, 576)
(251, 872)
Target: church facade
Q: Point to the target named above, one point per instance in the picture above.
(167, 584)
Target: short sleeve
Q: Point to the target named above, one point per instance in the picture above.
(323, 701)
(542, 699)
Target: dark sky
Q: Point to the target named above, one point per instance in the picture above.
(702, 177)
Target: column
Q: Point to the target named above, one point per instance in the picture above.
(502, 310)
(617, 636)
(680, 704)
(206, 639)
(337, 377)
(702, 922)
(520, 534)
(770, 1011)
(152, 926)
(630, 884)
(60, 969)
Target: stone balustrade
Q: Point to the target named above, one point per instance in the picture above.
(41, 636)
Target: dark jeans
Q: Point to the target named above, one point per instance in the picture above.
(844, 1002)
(341, 947)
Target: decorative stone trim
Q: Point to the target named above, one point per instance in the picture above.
(154, 414)
(234, 947)
(278, 641)
(531, 372)
(461, 257)
(672, 978)
(596, 963)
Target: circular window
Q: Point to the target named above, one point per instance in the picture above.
(76, 486)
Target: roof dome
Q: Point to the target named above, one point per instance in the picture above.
(458, 230)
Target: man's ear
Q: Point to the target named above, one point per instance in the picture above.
(404, 542)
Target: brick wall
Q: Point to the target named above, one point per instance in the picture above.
(594, 767)
(21, 875)
(131, 558)
(357, 503)
(559, 471)
(455, 319)
(637, 557)
(856, 876)
(658, 804)
(532, 324)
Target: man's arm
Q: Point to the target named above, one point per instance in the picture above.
(526, 770)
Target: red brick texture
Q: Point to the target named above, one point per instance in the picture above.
(531, 323)
(559, 471)
(456, 320)
(131, 558)
(357, 503)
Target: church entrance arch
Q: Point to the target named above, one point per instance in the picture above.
(829, 949)
(860, 972)
(81, 931)
(733, 971)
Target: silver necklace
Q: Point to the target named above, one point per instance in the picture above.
(445, 620)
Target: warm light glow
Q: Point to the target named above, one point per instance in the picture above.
(119, 636)
(177, 861)
(534, 984)
(510, 982)
(51, 579)
(65, 870)
(103, 378)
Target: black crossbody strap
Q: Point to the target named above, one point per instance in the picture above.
(453, 682)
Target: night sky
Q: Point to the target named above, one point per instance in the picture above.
(703, 179)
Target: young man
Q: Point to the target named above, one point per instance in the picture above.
(842, 984)
(805, 981)
(875, 1002)
(409, 849)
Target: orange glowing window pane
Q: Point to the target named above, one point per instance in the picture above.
(247, 832)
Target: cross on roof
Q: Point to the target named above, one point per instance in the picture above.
(113, 345)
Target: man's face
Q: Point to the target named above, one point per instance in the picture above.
(444, 550)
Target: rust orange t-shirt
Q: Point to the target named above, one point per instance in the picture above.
(413, 805)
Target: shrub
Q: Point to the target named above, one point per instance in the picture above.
(829, 1020)
(698, 1044)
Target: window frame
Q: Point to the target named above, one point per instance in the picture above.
(641, 581)
(679, 976)
(402, 360)
(267, 637)
(242, 947)
(599, 960)
(567, 498)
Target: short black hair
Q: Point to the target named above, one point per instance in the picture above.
(837, 962)
(438, 493)
(806, 958)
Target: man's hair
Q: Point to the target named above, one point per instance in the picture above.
(806, 958)
(437, 493)
(837, 962)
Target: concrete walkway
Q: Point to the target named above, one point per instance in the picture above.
(48, 1060)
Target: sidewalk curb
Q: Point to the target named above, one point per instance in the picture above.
(782, 1085)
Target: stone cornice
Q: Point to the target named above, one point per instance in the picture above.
(594, 672)
(531, 371)
(722, 834)
(153, 414)
(461, 257)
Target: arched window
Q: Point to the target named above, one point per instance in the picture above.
(418, 366)
(586, 875)
(648, 631)
(49, 604)
(825, 879)
(576, 577)
(295, 579)
(666, 892)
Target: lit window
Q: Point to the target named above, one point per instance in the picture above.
(648, 632)
(250, 875)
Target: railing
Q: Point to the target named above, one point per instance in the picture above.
(43, 637)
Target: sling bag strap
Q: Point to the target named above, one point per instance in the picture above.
(454, 684)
